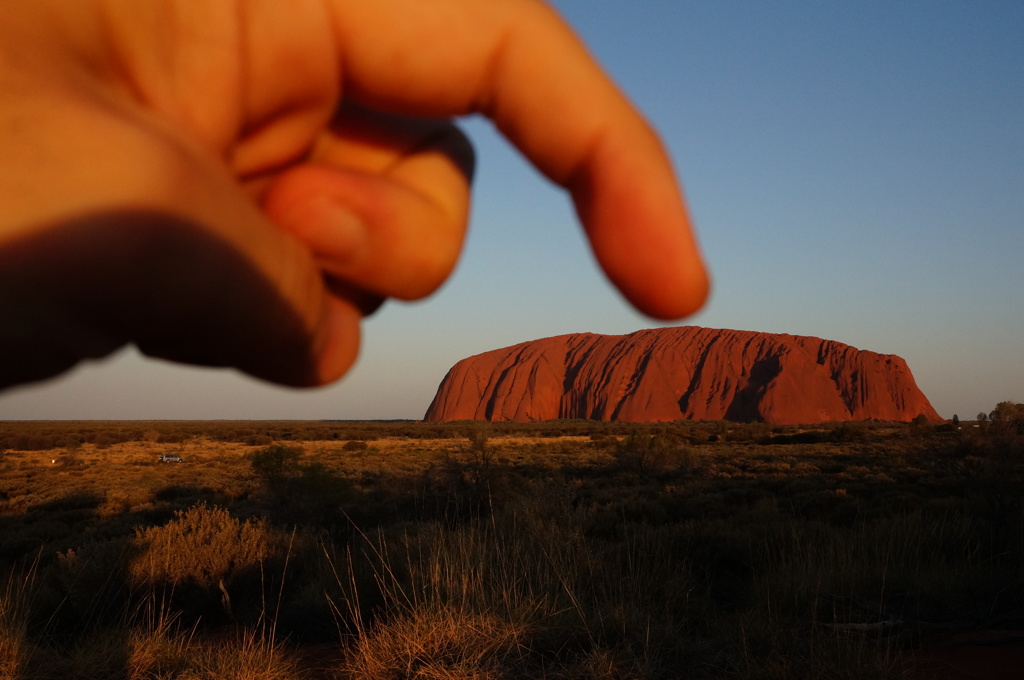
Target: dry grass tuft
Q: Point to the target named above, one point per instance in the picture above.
(440, 644)
(254, 655)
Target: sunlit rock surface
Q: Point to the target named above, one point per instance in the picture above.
(689, 372)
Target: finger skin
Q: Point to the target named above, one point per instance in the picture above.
(497, 58)
(383, 202)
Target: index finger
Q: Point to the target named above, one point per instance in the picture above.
(517, 62)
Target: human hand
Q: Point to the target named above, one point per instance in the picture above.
(180, 175)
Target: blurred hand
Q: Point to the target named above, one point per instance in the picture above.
(237, 182)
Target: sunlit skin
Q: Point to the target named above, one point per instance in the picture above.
(310, 143)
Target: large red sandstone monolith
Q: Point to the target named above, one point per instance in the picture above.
(681, 373)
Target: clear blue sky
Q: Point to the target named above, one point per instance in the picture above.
(855, 171)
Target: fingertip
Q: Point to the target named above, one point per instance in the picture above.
(652, 257)
(688, 296)
(666, 289)
(340, 341)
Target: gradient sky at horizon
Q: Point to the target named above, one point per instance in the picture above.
(855, 172)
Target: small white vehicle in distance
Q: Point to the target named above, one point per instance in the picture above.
(170, 458)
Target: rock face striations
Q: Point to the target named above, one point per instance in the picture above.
(681, 373)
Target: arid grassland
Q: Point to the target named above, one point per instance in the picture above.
(561, 550)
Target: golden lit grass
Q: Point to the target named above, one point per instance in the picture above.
(123, 477)
(439, 644)
(127, 474)
(201, 546)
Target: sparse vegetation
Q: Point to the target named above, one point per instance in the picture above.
(468, 550)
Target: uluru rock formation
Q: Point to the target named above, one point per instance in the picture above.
(689, 372)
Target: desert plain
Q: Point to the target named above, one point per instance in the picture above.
(558, 549)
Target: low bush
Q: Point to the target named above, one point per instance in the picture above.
(276, 462)
(304, 491)
(203, 546)
(656, 453)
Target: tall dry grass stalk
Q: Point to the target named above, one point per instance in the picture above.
(15, 604)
